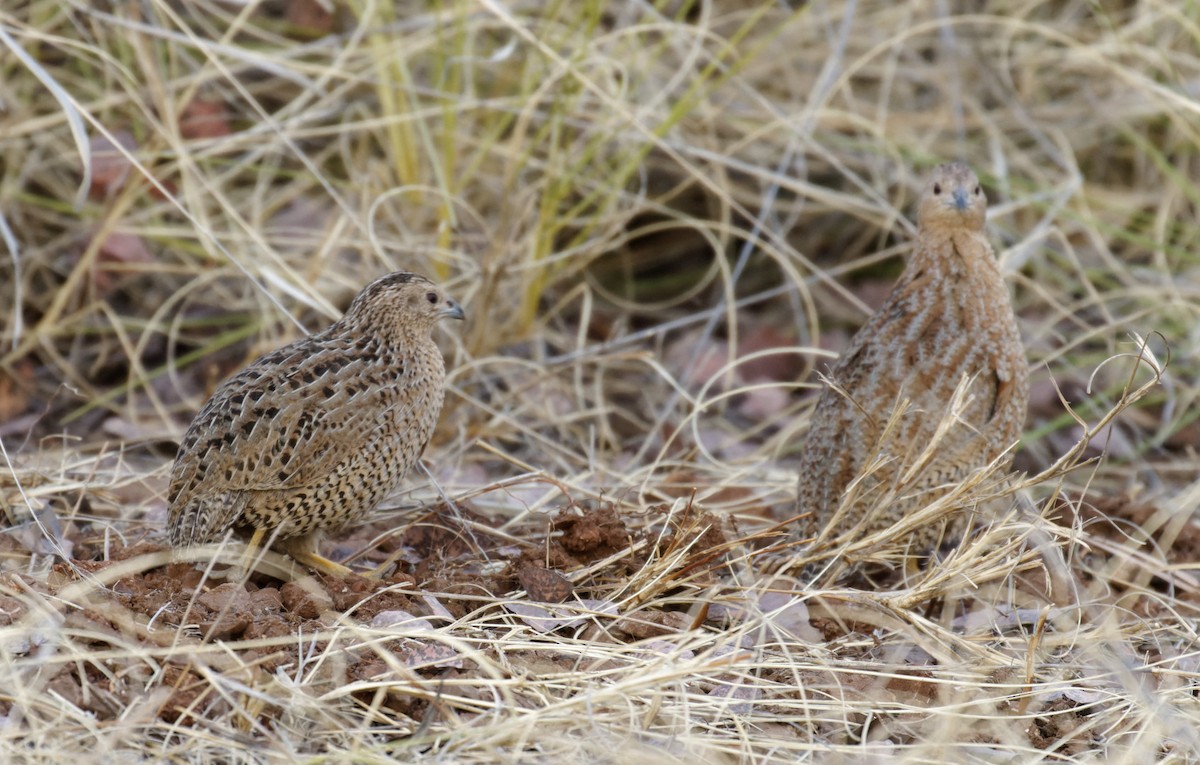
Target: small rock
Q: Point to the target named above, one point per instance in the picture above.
(264, 601)
(305, 600)
(229, 597)
(544, 585)
(398, 618)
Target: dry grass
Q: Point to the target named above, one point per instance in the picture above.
(654, 215)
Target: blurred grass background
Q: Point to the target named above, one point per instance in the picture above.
(575, 173)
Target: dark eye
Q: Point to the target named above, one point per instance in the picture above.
(431, 297)
(976, 191)
(937, 188)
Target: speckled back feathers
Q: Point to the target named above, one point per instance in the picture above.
(315, 434)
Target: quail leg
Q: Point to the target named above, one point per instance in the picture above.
(383, 568)
(251, 552)
(304, 550)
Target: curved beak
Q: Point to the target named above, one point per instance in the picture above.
(452, 310)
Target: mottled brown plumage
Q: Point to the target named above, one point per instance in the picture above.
(311, 437)
(949, 318)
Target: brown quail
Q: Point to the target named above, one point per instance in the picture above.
(947, 322)
(311, 437)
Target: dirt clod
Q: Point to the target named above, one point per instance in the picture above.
(305, 599)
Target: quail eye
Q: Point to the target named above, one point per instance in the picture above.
(937, 188)
(431, 297)
(976, 191)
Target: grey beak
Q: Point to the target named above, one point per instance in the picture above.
(452, 310)
(960, 199)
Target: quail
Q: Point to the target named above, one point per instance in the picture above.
(947, 323)
(309, 438)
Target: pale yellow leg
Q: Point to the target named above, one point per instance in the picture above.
(304, 550)
(321, 563)
(382, 568)
(251, 552)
